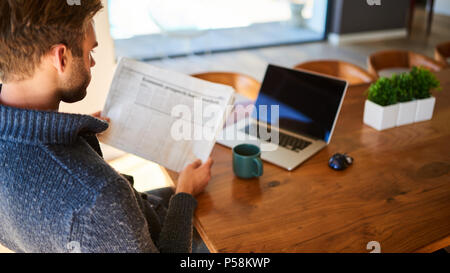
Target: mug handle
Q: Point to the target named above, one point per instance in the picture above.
(259, 165)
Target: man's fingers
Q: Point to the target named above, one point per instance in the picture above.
(197, 163)
(207, 167)
(99, 116)
(209, 163)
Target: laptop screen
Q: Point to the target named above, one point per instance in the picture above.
(308, 103)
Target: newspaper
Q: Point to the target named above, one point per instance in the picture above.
(164, 116)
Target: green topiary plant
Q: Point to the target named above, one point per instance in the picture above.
(423, 81)
(405, 88)
(383, 92)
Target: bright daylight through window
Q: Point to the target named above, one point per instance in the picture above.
(150, 29)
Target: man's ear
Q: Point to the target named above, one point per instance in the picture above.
(59, 56)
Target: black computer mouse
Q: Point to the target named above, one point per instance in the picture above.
(340, 162)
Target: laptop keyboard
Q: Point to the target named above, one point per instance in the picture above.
(287, 141)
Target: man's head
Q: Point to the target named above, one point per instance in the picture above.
(51, 38)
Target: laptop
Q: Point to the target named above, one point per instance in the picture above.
(294, 116)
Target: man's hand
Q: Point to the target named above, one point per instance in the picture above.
(99, 116)
(195, 177)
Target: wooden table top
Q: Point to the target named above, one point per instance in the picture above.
(396, 193)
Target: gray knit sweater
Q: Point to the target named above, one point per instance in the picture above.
(57, 194)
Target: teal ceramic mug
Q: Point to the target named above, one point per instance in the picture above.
(247, 161)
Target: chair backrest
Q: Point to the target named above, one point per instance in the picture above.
(399, 58)
(339, 69)
(243, 84)
(442, 53)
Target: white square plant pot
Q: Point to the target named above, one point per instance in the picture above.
(380, 117)
(425, 108)
(406, 113)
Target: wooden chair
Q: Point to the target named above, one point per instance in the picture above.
(243, 84)
(442, 53)
(400, 59)
(347, 71)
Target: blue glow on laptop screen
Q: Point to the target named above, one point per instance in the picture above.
(308, 104)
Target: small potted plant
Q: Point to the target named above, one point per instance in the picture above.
(405, 97)
(381, 108)
(423, 82)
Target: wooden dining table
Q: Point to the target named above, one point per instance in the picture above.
(396, 193)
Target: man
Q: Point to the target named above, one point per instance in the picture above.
(57, 194)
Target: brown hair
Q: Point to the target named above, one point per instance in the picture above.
(29, 29)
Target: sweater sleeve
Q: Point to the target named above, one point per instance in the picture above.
(117, 223)
(176, 234)
(114, 223)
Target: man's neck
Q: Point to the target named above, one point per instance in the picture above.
(29, 95)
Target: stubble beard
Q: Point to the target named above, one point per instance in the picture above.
(76, 89)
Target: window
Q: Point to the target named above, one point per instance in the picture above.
(149, 29)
